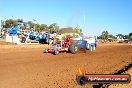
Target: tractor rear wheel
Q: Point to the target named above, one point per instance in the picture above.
(73, 48)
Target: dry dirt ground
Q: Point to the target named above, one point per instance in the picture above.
(26, 66)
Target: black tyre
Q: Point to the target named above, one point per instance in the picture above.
(80, 80)
(56, 52)
(42, 41)
(23, 40)
(73, 48)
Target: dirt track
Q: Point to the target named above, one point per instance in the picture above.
(26, 66)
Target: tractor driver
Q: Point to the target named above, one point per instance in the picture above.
(67, 42)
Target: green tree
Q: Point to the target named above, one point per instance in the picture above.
(21, 23)
(126, 37)
(22, 27)
(112, 36)
(25, 24)
(105, 35)
(43, 27)
(37, 27)
(54, 27)
(61, 31)
(10, 22)
(130, 35)
(31, 24)
(19, 20)
(120, 36)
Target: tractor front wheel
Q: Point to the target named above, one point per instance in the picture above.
(56, 52)
(73, 48)
(45, 51)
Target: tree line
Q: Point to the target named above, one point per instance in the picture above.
(32, 26)
(54, 27)
(106, 35)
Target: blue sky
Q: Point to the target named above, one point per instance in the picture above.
(93, 16)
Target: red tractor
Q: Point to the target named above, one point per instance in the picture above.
(61, 46)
